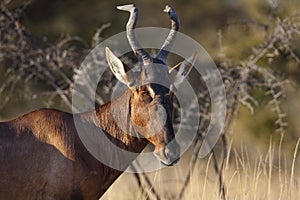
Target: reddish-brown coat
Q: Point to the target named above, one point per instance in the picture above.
(42, 156)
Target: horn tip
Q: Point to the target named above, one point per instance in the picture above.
(172, 13)
(127, 7)
(167, 9)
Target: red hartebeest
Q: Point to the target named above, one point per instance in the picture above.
(42, 156)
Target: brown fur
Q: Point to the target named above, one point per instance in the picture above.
(42, 156)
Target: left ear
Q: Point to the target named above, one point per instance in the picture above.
(121, 71)
(183, 69)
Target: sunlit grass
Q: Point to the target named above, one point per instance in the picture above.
(259, 176)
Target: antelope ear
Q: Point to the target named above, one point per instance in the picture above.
(183, 69)
(119, 69)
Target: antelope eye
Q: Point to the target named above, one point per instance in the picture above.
(146, 96)
(144, 92)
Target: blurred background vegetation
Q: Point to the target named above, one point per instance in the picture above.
(242, 25)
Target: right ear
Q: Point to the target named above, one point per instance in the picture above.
(183, 68)
(119, 69)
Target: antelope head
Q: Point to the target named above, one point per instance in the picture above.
(152, 88)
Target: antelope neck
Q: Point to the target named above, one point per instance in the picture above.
(114, 119)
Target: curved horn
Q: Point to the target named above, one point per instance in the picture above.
(164, 51)
(135, 45)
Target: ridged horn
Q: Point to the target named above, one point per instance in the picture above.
(141, 54)
(165, 49)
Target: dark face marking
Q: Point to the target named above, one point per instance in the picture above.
(151, 114)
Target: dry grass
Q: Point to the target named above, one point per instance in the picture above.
(256, 176)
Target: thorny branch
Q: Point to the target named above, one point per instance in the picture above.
(27, 58)
(246, 76)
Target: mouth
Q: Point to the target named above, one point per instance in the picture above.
(170, 163)
(167, 157)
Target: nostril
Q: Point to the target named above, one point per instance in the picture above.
(172, 153)
(166, 152)
(168, 156)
